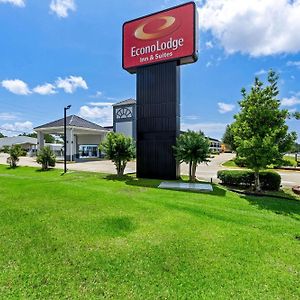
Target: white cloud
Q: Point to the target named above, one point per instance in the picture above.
(17, 127)
(70, 84)
(209, 45)
(19, 3)
(210, 129)
(8, 116)
(45, 89)
(16, 86)
(101, 115)
(293, 64)
(97, 95)
(208, 64)
(225, 107)
(261, 72)
(101, 103)
(255, 27)
(62, 7)
(290, 101)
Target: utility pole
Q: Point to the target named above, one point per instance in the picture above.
(65, 137)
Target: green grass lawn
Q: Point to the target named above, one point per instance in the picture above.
(230, 164)
(90, 236)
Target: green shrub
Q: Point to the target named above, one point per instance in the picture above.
(14, 153)
(287, 163)
(46, 158)
(214, 152)
(5, 149)
(236, 177)
(119, 148)
(240, 162)
(269, 180)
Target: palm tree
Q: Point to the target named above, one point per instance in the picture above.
(192, 148)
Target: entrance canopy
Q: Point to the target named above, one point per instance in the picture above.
(82, 136)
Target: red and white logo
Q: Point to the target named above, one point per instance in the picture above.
(156, 28)
(166, 35)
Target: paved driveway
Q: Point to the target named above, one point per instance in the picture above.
(204, 171)
(101, 166)
(209, 171)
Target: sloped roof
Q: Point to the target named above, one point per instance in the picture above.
(214, 140)
(74, 121)
(125, 102)
(17, 140)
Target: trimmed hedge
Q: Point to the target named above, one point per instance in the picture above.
(269, 180)
(236, 177)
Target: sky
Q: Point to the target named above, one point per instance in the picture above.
(59, 52)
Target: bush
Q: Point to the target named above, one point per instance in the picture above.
(5, 149)
(46, 158)
(119, 149)
(14, 153)
(240, 162)
(236, 177)
(214, 152)
(269, 180)
(286, 163)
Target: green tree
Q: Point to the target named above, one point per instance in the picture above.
(228, 138)
(192, 148)
(119, 149)
(14, 153)
(260, 130)
(2, 135)
(46, 158)
(5, 149)
(297, 115)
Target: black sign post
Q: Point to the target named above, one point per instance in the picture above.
(158, 120)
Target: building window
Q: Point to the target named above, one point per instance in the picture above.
(124, 113)
(86, 151)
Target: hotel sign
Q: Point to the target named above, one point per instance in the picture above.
(164, 36)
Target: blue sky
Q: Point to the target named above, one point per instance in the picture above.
(59, 52)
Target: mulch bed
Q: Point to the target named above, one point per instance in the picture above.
(296, 190)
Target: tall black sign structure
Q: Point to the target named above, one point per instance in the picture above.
(158, 120)
(154, 47)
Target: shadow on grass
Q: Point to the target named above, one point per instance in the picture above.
(12, 168)
(280, 206)
(154, 183)
(44, 171)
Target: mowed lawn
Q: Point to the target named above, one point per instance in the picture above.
(90, 236)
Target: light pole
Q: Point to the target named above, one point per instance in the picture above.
(65, 137)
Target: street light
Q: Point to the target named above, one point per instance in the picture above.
(65, 137)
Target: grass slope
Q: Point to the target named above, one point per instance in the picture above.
(87, 236)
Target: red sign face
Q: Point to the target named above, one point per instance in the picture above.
(164, 36)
